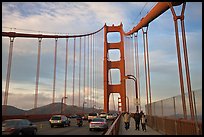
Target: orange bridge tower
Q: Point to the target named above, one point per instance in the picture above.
(116, 88)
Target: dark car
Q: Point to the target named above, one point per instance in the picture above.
(18, 127)
(59, 120)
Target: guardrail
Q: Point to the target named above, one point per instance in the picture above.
(114, 128)
(172, 126)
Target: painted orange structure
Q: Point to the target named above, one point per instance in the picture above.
(119, 88)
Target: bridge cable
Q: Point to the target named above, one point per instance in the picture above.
(37, 73)
(79, 69)
(88, 75)
(91, 73)
(137, 68)
(8, 75)
(54, 79)
(66, 63)
(84, 69)
(74, 72)
(147, 72)
(94, 72)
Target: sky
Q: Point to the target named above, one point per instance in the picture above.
(86, 17)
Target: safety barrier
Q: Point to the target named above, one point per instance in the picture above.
(172, 126)
(114, 128)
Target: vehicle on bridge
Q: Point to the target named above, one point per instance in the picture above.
(59, 120)
(103, 114)
(111, 116)
(85, 117)
(18, 127)
(93, 115)
(98, 123)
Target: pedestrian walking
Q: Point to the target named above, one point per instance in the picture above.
(143, 122)
(137, 118)
(127, 120)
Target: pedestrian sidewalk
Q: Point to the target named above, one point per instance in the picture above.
(132, 131)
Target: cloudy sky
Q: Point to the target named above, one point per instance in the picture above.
(86, 17)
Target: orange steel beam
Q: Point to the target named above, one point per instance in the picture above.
(158, 9)
(14, 34)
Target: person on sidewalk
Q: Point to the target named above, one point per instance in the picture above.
(143, 122)
(137, 118)
(126, 119)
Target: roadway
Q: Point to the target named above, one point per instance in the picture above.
(45, 129)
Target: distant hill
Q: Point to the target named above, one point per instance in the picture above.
(48, 109)
(11, 110)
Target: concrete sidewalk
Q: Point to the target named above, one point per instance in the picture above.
(132, 131)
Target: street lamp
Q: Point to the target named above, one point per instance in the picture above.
(134, 78)
(83, 105)
(62, 103)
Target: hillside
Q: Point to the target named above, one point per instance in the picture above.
(48, 109)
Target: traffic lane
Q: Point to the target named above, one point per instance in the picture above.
(45, 129)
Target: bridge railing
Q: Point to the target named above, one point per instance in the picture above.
(172, 126)
(114, 128)
(167, 116)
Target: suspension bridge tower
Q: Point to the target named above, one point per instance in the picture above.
(114, 88)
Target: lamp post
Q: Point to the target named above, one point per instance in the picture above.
(62, 103)
(134, 78)
(83, 105)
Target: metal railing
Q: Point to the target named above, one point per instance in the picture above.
(168, 118)
(114, 128)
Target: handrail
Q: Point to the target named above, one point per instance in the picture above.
(113, 130)
(15, 34)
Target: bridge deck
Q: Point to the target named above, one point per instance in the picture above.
(132, 131)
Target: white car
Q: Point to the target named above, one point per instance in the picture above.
(103, 115)
(59, 120)
(110, 117)
(93, 115)
(98, 123)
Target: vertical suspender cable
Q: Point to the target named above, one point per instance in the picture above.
(79, 69)
(150, 100)
(145, 65)
(179, 63)
(8, 74)
(134, 68)
(73, 72)
(137, 68)
(91, 73)
(186, 64)
(37, 73)
(55, 62)
(88, 75)
(84, 68)
(66, 62)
